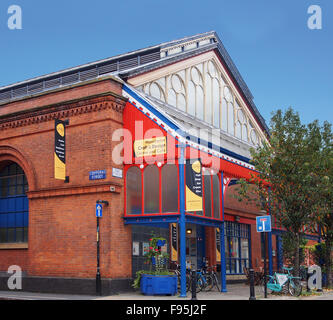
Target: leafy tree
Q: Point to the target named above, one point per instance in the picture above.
(290, 172)
(323, 179)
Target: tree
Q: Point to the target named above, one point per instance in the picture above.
(290, 172)
(323, 179)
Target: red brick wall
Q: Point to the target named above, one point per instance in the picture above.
(62, 221)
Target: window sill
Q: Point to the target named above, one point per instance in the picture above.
(6, 246)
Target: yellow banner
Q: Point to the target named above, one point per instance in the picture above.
(59, 150)
(193, 191)
(150, 147)
(59, 168)
(218, 244)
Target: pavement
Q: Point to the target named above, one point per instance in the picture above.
(235, 292)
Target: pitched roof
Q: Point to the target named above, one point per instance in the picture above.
(134, 63)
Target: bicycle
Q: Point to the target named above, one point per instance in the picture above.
(213, 279)
(188, 277)
(283, 282)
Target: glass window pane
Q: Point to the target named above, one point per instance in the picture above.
(169, 188)
(224, 115)
(133, 191)
(216, 196)
(12, 198)
(235, 247)
(200, 102)
(208, 199)
(151, 189)
(245, 248)
(230, 118)
(216, 103)
(191, 98)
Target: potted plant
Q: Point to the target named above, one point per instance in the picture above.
(157, 280)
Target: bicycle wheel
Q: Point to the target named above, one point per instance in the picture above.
(200, 285)
(295, 287)
(209, 282)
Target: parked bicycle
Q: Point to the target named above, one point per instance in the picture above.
(188, 277)
(212, 278)
(283, 282)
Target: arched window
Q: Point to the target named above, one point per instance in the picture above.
(208, 195)
(151, 189)
(133, 191)
(216, 196)
(14, 208)
(169, 188)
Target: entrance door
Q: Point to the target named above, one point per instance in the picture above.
(191, 246)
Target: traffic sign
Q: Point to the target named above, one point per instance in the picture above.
(264, 224)
(99, 210)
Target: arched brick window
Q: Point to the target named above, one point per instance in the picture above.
(14, 208)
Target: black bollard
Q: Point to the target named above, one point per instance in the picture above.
(194, 284)
(252, 294)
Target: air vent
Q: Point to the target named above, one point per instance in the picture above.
(150, 57)
(71, 78)
(129, 63)
(36, 87)
(53, 83)
(18, 92)
(6, 95)
(88, 74)
(107, 68)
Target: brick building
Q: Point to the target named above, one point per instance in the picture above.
(186, 92)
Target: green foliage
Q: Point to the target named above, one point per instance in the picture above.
(295, 176)
(320, 255)
(154, 252)
(289, 248)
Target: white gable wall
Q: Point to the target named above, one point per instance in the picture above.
(202, 89)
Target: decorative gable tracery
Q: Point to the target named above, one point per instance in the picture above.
(204, 91)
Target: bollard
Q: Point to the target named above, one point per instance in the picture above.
(194, 284)
(252, 294)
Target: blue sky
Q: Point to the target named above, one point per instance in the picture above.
(283, 62)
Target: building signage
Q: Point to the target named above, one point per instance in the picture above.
(99, 210)
(97, 175)
(174, 242)
(60, 150)
(150, 147)
(118, 173)
(218, 244)
(264, 224)
(193, 185)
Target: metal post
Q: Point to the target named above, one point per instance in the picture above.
(222, 241)
(270, 249)
(182, 222)
(265, 266)
(194, 284)
(98, 274)
(252, 294)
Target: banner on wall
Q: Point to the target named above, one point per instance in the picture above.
(193, 174)
(218, 244)
(174, 242)
(60, 150)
